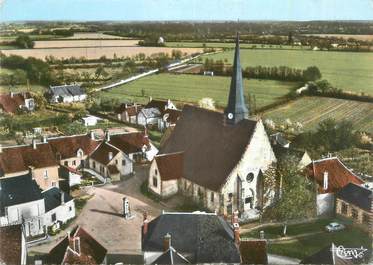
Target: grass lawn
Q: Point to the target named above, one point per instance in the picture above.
(155, 137)
(303, 247)
(350, 71)
(310, 111)
(192, 88)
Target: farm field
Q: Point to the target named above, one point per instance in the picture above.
(350, 71)
(231, 45)
(93, 35)
(192, 88)
(95, 52)
(310, 111)
(345, 36)
(84, 43)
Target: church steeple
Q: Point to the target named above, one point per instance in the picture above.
(236, 109)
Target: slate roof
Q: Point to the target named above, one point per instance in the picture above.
(18, 190)
(11, 244)
(129, 143)
(101, 154)
(52, 198)
(92, 252)
(357, 195)
(170, 166)
(253, 251)
(201, 238)
(326, 256)
(338, 174)
(211, 148)
(67, 147)
(19, 158)
(11, 104)
(151, 112)
(66, 90)
(171, 256)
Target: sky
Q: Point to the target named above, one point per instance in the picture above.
(130, 10)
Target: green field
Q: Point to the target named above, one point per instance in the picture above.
(192, 88)
(350, 71)
(231, 45)
(311, 110)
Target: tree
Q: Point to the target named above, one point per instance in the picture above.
(297, 194)
(312, 73)
(24, 42)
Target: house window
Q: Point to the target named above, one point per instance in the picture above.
(94, 164)
(70, 209)
(212, 197)
(230, 196)
(366, 219)
(66, 163)
(102, 169)
(54, 218)
(123, 162)
(74, 163)
(54, 184)
(344, 208)
(354, 213)
(156, 172)
(116, 161)
(45, 174)
(80, 153)
(155, 182)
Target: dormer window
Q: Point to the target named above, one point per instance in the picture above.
(80, 153)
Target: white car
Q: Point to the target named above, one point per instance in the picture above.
(334, 227)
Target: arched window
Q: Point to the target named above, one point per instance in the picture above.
(250, 177)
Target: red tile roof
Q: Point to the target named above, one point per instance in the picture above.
(20, 158)
(170, 166)
(11, 244)
(68, 146)
(101, 154)
(129, 142)
(253, 251)
(338, 174)
(11, 104)
(91, 251)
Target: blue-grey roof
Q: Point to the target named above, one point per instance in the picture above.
(236, 101)
(18, 190)
(151, 112)
(66, 90)
(356, 195)
(52, 198)
(201, 238)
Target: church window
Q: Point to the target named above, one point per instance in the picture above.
(250, 177)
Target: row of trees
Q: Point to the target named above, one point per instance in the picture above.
(220, 67)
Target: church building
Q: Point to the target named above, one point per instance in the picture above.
(219, 159)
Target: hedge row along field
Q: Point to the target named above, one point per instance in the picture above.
(192, 88)
(350, 71)
(310, 111)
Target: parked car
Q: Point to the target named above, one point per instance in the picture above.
(334, 227)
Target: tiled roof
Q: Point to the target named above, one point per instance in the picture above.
(67, 147)
(11, 244)
(18, 190)
(170, 166)
(101, 154)
(91, 251)
(211, 148)
(338, 174)
(19, 158)
(11, 104)
(129, 142)
(357, 195)
(207, 238)
(253, 251)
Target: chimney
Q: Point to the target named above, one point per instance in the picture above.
(110, 156)
(62, 198)
(145, 227)
(135, 104)
(1, 148)
(325, 180)
(76, 244)
(92, 134)
(166, 242)
(150, 99)
(11, 94)
(146, 132)
(31, 171)
(107, 136)
(44, 139)
(34, 144)
(236, 231)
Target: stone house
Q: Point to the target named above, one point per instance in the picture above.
(224, 154)
(13, 248)
(165, 171)
(13, 102)
(148, 116)
(330, 176)
(37, 158)
(66, 94)
(355, 202)
(128, 112)
(154, 113)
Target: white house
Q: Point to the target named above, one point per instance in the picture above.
(148, 116)
(66, 94)
(90, 120)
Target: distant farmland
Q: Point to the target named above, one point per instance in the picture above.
(350, 71)
(191, 88)
(310, 111)
(95, 52)
(84, 43)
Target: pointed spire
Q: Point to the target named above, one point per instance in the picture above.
(236, 109)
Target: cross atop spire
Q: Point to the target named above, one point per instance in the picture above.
(236, 109)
